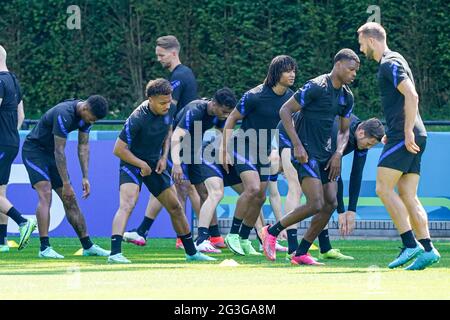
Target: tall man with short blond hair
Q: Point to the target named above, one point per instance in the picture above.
(405, 141)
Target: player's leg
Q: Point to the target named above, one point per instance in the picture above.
(78, 223)
(326, 250)
(3, 221)
(292, 198)
(129, 194)
(182, 192)
(26, 226)
(247, 210)
(138, 236)
(215, 237)
(213, 230)
(250, 221)
(194, 198)
(8, 210)
(37, 164)
(44, 191)
(318, 222)
(274, 194)
(387, 179)
(312, 188)
(214, 194)
(169, 200)
(259, 224)
(322, 219)
(324, 239)
(407, 189)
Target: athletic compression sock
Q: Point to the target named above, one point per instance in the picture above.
(276, 229)
(408, 239)
(16, 216)
(145, 225)
(426, 243)
(324, 241)
(245, 231)
(303, 248)
(292, 240)
(188, 244)
(116, 244)
(3, 228)
(214, 231)
(86, 243)
(236, 225)
(45, 243)
(203, 235)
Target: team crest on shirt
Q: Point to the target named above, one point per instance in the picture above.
(313, 163)
(342, 100)
(328, 147)
(167, 119)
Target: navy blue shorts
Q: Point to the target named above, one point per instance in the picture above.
(313, 169)
(155, 183)
(7, 156)
(41, 166)
(198, 173)
(397, 157)
(244, 161)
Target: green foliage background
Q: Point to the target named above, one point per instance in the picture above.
(225, 42)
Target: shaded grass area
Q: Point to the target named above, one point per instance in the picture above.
(159, 271)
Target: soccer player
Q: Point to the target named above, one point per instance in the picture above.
(405, 141)
(44, 156)
(11, 119)
(197, 117)
(320, 100)
(205, 114)
(363, 136)
(184, 87)
(259, 111)
(143, 147)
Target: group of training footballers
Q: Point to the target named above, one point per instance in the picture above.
(303, 134)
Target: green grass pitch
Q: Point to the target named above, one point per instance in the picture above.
(159, 271)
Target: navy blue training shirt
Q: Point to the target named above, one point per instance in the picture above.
(144, 132)
(394, 69)
(320, 103)
(58, 121)
(11, 95)
(184, 86)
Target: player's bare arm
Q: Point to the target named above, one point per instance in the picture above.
(406, 88)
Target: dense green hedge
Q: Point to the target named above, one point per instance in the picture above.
(225, 42)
